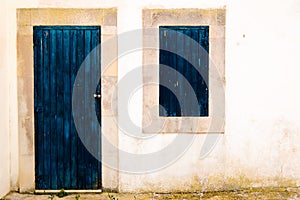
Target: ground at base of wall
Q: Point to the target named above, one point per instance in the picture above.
(257, 193)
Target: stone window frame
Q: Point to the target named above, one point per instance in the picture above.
(152, 20)
(26, 19)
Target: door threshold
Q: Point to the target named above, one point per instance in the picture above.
(67, 191)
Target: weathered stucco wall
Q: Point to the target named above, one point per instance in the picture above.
(260, 146)
(4, 107)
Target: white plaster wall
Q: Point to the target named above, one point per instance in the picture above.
(261, 141)
(13, 103)
(4, 106)
(260, 146)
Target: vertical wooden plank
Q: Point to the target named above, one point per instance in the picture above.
(195, 70)
(46, 108)
(36, 120)
(73, 132)
(205, 112)
(203, 96)
(53, 108)
(99, 167)
(88, 102)
(98, 76)
(186, 51)
(81, 86)
(162, 76)
(173, 100)
(169, 75)
(203, 74)
(179, 76)
(38, 106)
(60, 108)
(98, 107)
(172, 59)
(187, 107)
(95, 137)
(67, 109)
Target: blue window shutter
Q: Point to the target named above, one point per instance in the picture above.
(174, 93)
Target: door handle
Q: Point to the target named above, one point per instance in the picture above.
(98, 96)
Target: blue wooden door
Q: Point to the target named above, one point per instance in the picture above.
(61, 159)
